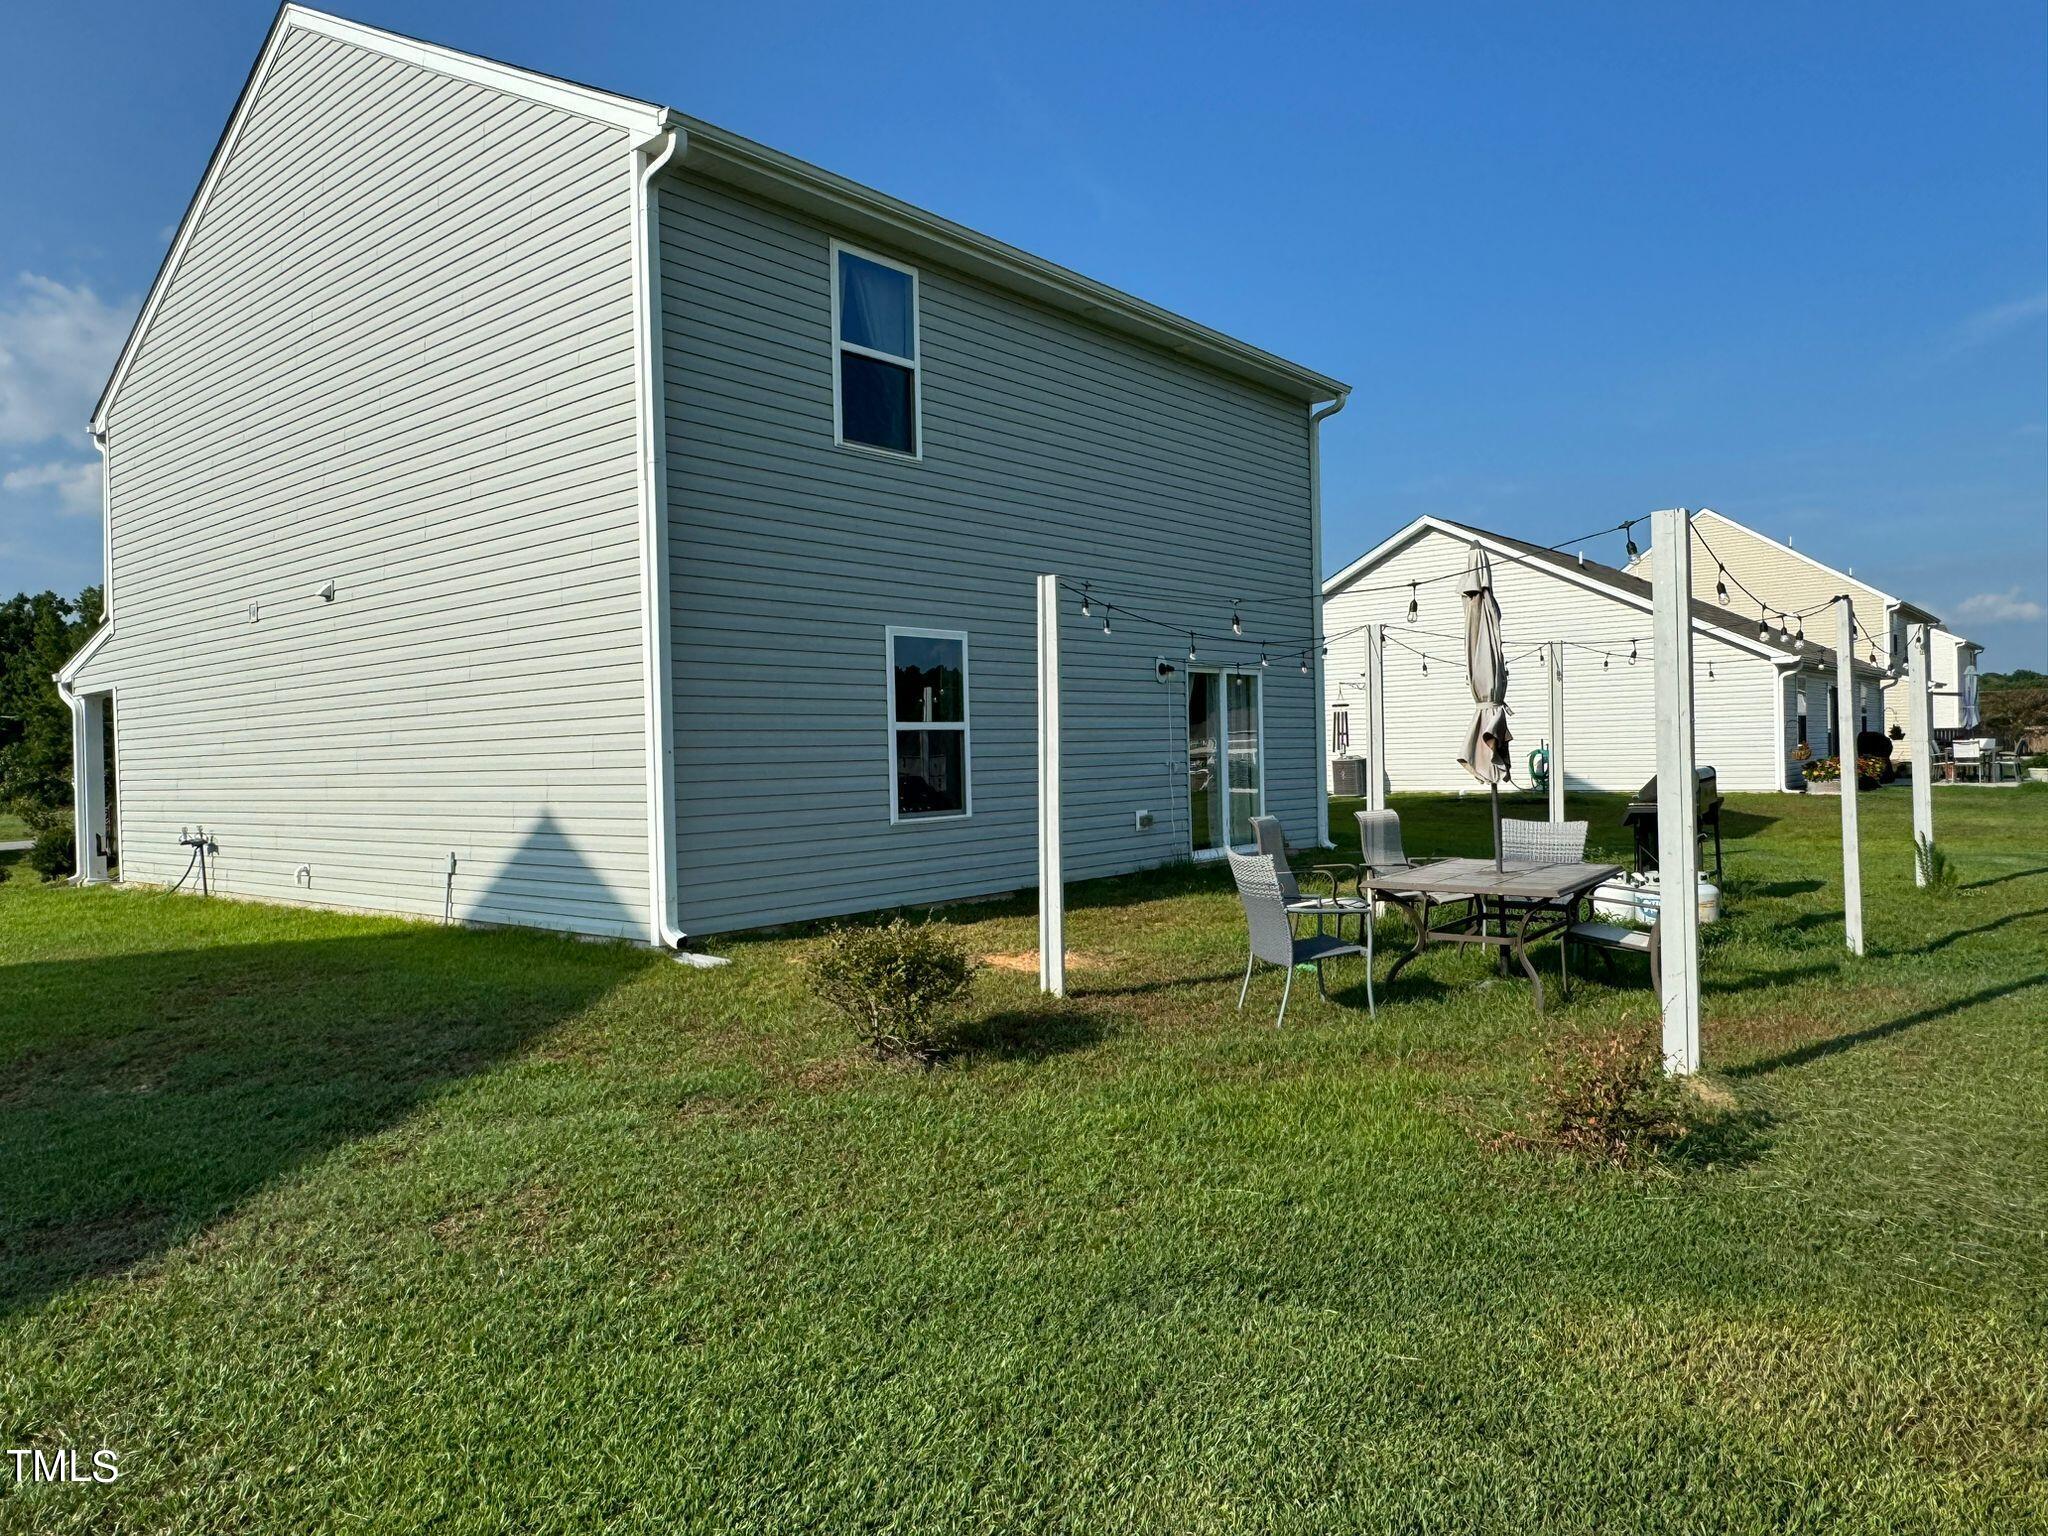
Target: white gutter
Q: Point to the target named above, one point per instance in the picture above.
(1316, 419)
(656, 620)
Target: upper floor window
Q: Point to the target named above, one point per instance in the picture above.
(874, 353)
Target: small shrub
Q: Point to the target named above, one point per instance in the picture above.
(1606, 1101)
(897, 983)
(53, 854)
(1937, 869)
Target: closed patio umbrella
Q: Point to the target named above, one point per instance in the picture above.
(1486, 747)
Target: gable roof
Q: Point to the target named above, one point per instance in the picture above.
(1728, 625)
(768, 172)
(1912, 612)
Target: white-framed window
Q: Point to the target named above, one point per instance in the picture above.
(877, 377)
(931, 744)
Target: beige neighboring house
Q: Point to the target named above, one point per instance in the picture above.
(1756, 698)
(1789, 580)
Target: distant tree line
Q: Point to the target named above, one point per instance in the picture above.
(38, 634)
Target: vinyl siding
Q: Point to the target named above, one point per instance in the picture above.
(1048, 446)
(398, 354)
(1610, 713)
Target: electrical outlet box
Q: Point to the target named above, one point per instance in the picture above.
(1143, 821)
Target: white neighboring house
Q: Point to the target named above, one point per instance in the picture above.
(1755, 698)
(1952, 680)
(1789, 580)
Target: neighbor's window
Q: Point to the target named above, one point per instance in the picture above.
(928, 738)
(874, 352)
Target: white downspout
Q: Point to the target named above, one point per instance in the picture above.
(664, 928)
(1315, 505)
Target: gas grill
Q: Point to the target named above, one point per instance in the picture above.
(1641, 818)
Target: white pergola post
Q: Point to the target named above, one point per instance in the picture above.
(1677, 789)
(1920, 728)
(1376, 718)
(1052, 896)
(1845, 756)
(1556, 661)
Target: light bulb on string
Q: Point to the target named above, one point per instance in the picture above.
(1628, 532)
(1191, 645)
(1265, 660)
(1414, 607)
(1084, 602)
(1800, 638)
(1710, 671)
(1721, 585)
(1631, 653)
(1236, 619)
(1105, 623)
(1784, 632)
(1425, 666)
(1304, 663)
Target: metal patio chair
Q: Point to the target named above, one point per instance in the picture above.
(1272, 936)
(1272, 841)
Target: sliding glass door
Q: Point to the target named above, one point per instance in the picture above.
(1226, 777)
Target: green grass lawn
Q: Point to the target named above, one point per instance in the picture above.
(13, 829)
(326, 1222)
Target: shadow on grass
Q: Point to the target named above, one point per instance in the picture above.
(1736, 824)
(2017, 874)
(1732, 1140)
(145, 1096)
(1820, 1049)
(1993, 926)
(1027, 1034)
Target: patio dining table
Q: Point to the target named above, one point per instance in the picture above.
(1505, 909)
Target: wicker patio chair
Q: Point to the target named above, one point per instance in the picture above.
(1272, 841)
(1272, 936)
(1543, 842)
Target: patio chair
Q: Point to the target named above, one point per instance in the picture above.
(1543, 842)
(1272, 935)
(1272, 841)
(1380, 853)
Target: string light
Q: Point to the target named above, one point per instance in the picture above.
(1631, 653)
(1105, 623)
(1784, 634)
(1425, 666)
(1721, 584)
(1603, 661)
(1414, 607)
(1763, 628)
(1084, 602)
(1710, 671)
(1628, 531)
(1264, 660)
(1236, 620)
(1191, 645)
(1304, 663)
(1800, 638)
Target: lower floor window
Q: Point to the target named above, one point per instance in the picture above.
(929, 741)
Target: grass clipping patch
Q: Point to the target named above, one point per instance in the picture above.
(899, 984)
(1609, 1102)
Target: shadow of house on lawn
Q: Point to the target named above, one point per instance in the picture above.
(143, 1096)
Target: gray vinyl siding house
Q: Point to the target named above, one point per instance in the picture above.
(487, 536)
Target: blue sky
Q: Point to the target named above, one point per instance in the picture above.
(1580, 261)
